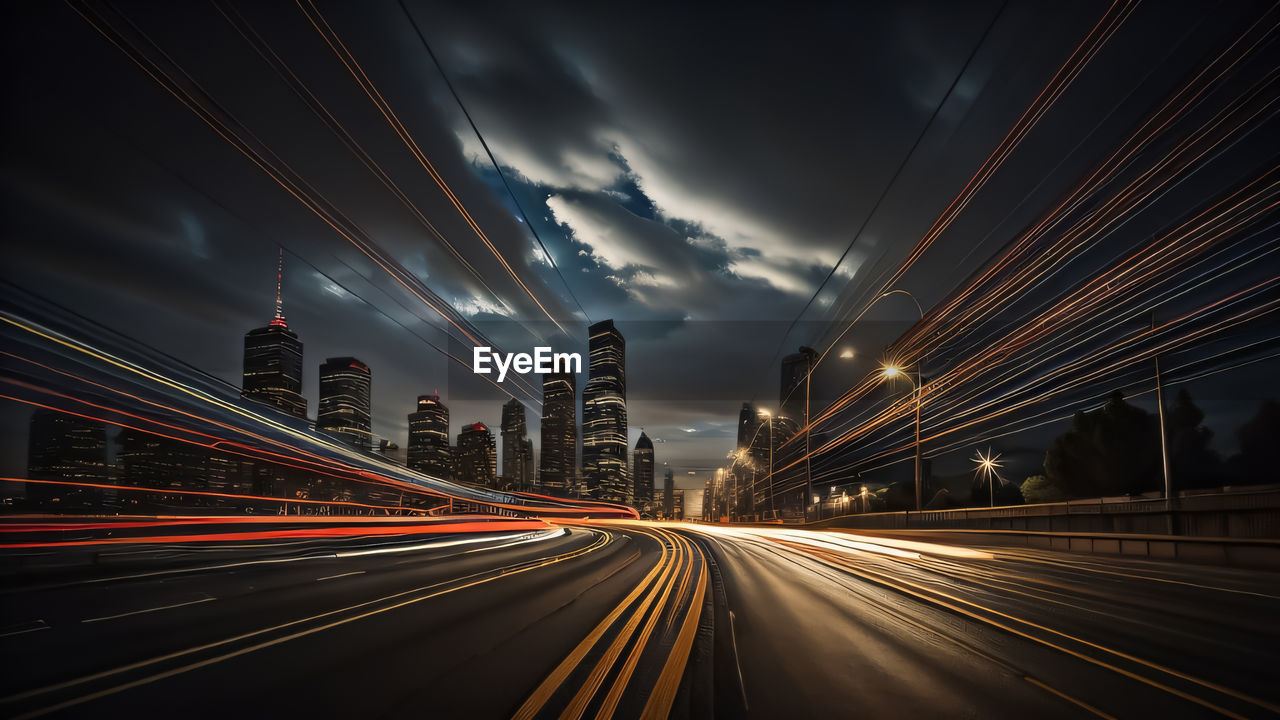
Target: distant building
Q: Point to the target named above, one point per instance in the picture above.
(477, 456)
(428, 451)
(273, 362)
(529, 465)
(758, 469)
(691, 503)
(148, 460)
(559, 433)
(746, 424)
(714, 498)
(517, 451)
(604, 417)
(344, 401)
(677, 506)
(791, 400)
(65, 448)
(668, 494)
(789, 471)
(642, 472)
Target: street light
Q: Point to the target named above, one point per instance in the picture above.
(987, 465)
(813, 358)
(892, 371)
(769, 419)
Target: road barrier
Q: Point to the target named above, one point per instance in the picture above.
(1228, 513)
(1237, 552)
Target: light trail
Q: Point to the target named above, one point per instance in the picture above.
(633, 622)
(1066, 244)
(348, 60)
(304, 93)
(311, 625)
(1223, 221)
(192, 96)
(985, 589)
(1239, 118)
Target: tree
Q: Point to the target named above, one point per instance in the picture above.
(1038, 489)
(1191, 462)
(1109, 451)
(1256, 461)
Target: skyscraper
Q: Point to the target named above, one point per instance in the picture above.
(428, 450)
(344, 400)
(604, 417)
(528, 464)
(746, 424)
(792, 396)
(273, 361)
(477, 456)
(517, 450)
(559, 432)
(668, 494)
(642, 472)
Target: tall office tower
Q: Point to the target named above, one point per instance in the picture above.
(604, 417)
(795, 367)
(746, 424)
(559, 432)
(477, 456)
(516, 458)
(528, 464)
(68, 448)
(273, 361)
(344, 401)
(428, 450)
(642, 472)
(668, 494)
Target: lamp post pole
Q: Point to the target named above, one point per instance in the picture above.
(1164, 438)
(771, 508)
(809, 355)
(919, 459)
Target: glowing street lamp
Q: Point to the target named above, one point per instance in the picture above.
(988, 466)
(890, 371)
(765, 414)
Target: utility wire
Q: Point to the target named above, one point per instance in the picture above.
(889, 186)
(501, 175)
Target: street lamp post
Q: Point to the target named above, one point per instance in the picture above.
(809, 355)
(891, 371)
(989, 467)
(771, 508)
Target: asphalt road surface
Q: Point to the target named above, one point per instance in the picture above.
(611, 619)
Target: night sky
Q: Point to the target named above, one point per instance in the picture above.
(694, 173)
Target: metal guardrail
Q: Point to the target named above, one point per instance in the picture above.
(1243, 512)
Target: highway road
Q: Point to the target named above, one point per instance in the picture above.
(605, 619)
(832, 624)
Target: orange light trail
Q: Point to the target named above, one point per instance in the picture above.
(222, 123)
(348, 60)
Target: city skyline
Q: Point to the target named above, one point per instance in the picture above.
(273, 374)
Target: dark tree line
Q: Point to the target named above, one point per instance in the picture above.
(1115, 450)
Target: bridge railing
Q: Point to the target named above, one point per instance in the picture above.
(1252, 512)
